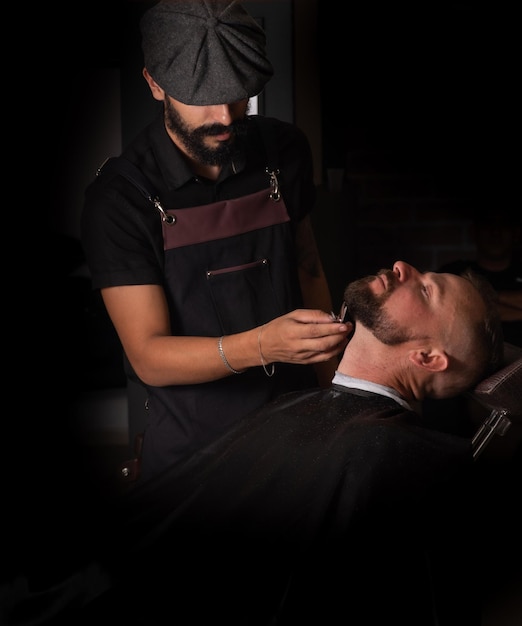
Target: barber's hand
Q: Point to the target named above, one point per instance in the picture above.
(303, 336)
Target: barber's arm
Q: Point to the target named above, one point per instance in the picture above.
(141, 319)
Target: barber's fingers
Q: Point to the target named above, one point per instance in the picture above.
(316, 323)
(303, 336)
(311, 316)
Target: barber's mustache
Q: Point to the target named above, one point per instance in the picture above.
(216, 129)
(237, 127)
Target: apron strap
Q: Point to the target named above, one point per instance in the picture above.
(133, 174)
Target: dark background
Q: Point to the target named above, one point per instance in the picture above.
(441, 76)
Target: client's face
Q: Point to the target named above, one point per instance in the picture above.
(404, 304)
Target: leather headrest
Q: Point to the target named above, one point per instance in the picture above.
(503, 389)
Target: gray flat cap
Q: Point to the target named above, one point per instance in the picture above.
(204, 52)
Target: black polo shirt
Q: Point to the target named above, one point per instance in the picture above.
(121, 234)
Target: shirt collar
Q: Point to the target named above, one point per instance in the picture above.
(358, 383)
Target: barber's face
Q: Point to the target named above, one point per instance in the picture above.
(403, 304)
(208, 133)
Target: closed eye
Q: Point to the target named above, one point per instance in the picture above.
(433, 288)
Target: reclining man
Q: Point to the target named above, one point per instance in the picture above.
(327, 506)
(332, 503)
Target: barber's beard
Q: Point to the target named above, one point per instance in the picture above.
(366, 308)
(194, 138)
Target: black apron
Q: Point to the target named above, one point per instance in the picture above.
(229, 266)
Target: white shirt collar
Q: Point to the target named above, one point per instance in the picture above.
(358, 383)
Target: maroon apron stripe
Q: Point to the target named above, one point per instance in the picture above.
(223, 219)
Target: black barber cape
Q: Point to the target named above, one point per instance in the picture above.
(325, 507)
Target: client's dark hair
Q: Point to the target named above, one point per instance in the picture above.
(488, 332)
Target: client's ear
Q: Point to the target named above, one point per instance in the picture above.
(430, 359)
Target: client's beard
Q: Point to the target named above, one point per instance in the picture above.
(366, 308)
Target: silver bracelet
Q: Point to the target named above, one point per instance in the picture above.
(224, 358)
(272, 370)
